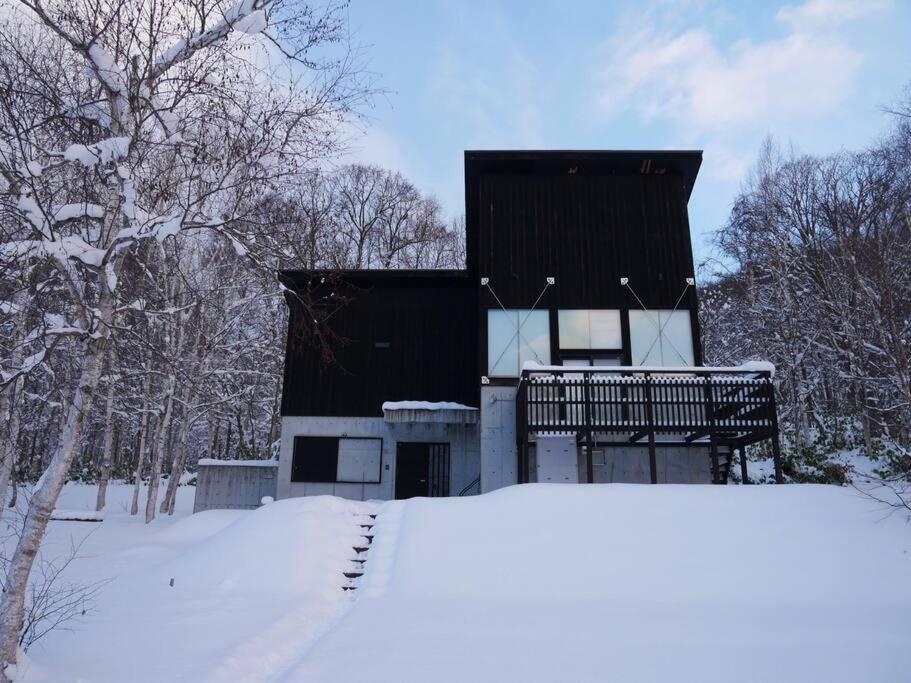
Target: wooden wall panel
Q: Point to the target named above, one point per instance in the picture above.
(430, 326)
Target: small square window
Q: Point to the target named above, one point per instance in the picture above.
(590, 329)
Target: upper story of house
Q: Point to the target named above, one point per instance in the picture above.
(573, 258)
(585, 258)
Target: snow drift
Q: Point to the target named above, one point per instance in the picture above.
(530, 583)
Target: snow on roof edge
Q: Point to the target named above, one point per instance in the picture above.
(425, 405)
(749, 366)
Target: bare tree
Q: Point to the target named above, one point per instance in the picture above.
(821, 285)
(133, 122)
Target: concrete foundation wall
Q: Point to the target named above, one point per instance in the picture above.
(675, 465)
(239, 487)
(629, 465)
(464, 453)
(498, 437)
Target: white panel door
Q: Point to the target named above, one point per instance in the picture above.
(557, 460)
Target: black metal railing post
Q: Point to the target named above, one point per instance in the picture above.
(713, 437)
(650, 426)
(587, 416)
(522, 428)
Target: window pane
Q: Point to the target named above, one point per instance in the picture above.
(674, 348)
(643, 334)
(535, 345)
(502, 344)
(359, 460)
(573, 329)
(676, 338)
(590, 329)
(315, 458)
(505, 352)
(605, 330)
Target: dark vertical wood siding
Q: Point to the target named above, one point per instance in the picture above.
(431, 329)
(588, 232)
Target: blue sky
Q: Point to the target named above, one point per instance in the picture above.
(690, 74)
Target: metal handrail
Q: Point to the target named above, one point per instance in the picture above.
(475, 482)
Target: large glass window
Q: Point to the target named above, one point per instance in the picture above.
(590, 329)
(662, 338)
(336, 459)
(515, 337)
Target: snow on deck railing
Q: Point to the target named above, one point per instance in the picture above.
(425, 405)
(751, 366)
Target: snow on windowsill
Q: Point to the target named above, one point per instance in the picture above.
(425, 405)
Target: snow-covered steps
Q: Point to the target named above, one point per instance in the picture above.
(355, 571)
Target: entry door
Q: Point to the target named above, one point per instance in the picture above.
(421, 469)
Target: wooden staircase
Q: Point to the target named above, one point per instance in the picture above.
(355, 571)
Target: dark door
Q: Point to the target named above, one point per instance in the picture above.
(421, 469)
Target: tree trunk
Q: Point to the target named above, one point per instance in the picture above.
(108, 453)
(212, 434)
(143, 429)
(42, 503)
(9, 400)
(158, 450)
(177, 468)
(10, 440)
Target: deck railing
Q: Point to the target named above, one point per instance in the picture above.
(731, 407)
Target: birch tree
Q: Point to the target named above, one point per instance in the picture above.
(820, 284)
(135, 121)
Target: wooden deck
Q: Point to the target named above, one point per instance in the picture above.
(625, 406)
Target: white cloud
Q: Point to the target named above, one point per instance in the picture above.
(725, 94)
(822, 13)
(376, 146)
(500, 102)
(692, 78)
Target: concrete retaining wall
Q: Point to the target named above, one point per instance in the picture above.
(238, 486)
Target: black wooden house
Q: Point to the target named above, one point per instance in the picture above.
(567, 350)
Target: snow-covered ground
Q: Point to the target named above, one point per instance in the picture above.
(531, 583)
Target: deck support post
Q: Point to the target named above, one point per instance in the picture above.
(650, 422)
(776, 446)
(589, 442)
(744, 476)
(713, 437)
(776, 456)
(522, 430)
